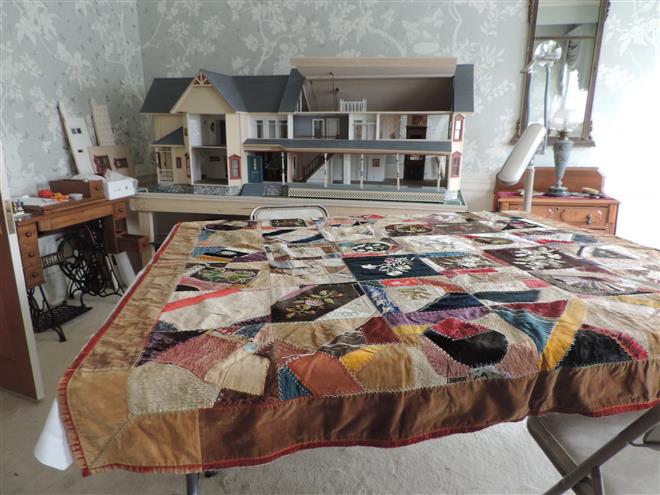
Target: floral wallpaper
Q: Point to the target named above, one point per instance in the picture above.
(70, 51)
(257, 37)
(112, 50)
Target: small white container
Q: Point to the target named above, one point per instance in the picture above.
(75, 196)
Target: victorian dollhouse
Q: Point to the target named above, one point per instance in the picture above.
(358, 128)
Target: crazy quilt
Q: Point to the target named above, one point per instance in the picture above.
(243, 341)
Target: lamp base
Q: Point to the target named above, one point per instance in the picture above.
(558, 191)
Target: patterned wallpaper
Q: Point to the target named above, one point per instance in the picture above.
(110, 50)
(71, 51)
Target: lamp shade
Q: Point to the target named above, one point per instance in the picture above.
(565, 119)
(522, 153)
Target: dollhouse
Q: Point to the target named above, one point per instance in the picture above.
(348, 128)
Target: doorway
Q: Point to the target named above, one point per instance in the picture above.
(255, 168)
(413, 167)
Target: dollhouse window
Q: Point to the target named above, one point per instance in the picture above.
(234, 167)
(357, 129)
(272, 129)
(455, 169)
(260, 128)
(187, 165)
(178, 162)
(284, 132)
(458, 128)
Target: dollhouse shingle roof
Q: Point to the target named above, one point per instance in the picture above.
(227, 87)
(261, 93)
(268, 94)
(174, 138)
(291, 92)
(251, 93)
(164, 93)
(463, 94)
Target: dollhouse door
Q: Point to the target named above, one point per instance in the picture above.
(255, 166)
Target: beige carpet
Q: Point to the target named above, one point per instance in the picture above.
(501, 459)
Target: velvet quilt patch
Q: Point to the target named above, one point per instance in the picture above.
(246, 340)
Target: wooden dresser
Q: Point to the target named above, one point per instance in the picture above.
(598, 214)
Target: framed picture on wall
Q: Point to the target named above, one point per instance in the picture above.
(120, 163)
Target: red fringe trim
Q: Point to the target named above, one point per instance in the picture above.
(65, 411)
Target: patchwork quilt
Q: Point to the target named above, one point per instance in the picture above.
(243, 341)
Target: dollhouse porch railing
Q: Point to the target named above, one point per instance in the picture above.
(165, 175)
(353, 106)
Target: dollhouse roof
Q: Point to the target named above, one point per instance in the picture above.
(174, 138)
(268, 94)
(164, 93)
(463, 86)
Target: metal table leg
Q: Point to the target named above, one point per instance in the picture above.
(192, 484)
(591, 465)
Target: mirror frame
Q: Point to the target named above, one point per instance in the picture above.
(585, 139)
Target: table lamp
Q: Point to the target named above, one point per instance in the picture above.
(521, 159)
(563, 121)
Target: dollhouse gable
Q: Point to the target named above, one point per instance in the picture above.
(209, 92)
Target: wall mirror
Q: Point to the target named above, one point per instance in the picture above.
(563, 48)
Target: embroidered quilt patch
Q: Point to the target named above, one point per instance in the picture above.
(245, 339)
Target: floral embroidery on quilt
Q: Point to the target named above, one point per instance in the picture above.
(295, 309)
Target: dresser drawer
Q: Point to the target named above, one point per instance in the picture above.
(120, 210)
(29, 244)
(546, 211)
(30, 255)
(594, 216)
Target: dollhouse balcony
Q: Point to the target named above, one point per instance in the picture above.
(419, 147)
(353, 106)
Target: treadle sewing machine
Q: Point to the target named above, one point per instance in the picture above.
(82, 254)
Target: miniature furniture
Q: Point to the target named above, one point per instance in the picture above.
(597, 214)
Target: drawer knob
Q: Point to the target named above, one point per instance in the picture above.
(28, 234)
(590, 219)
(31, 254)
(120, 209)
(34, 274)
(97, 187)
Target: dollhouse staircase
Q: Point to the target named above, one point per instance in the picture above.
(316, 163)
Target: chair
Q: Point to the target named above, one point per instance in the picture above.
(277, 212)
